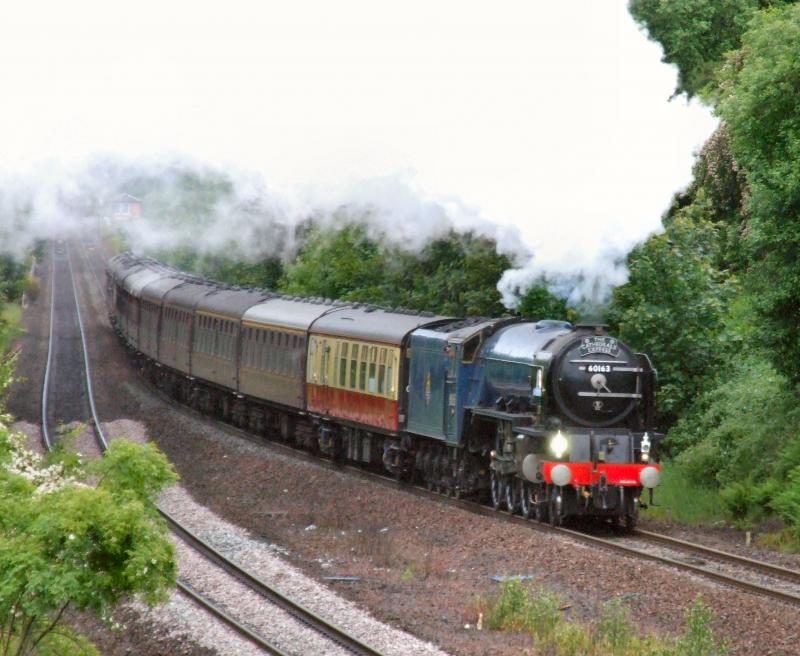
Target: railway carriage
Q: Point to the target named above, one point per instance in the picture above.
(217, 330)
(274, 343)
(152, 316)
(119, 268)
(176, 335)
(355, 379)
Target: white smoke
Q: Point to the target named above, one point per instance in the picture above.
(578, 280)
(235, 213)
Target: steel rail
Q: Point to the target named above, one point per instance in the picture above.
(86, 366)
(184, 587)
(302, 614)
(305, 616)
(46, 383)
(237, 626)
(766, 568)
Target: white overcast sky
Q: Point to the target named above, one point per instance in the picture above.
(550, 116)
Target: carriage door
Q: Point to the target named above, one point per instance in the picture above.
(453, 351)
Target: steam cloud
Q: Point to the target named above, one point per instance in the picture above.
(235, 213)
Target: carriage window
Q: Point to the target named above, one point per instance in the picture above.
(362, 376)
(269, 351)
(390, 377)
(335, 377)
(343, 365)
(353, 366)
(372, 383)
(381, 379)
(312, 349)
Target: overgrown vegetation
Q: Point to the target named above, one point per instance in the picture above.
(538, 612)
(14, 281)
(66, 544)
(76, 536)
(716, 297)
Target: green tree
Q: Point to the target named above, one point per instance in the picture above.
(759, 104)
(341, 264)
(457, 275)
(673, 308)
(539, 303)
(65, 544)
(695, 34)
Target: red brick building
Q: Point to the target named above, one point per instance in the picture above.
(126, 207)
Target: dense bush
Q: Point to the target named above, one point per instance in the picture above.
(75, 537)
(736, 406)
(454, 275)
(673, 308)
(695, 34)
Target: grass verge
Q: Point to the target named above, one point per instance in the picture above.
(538, 612)
(678, 499)
(10, 317)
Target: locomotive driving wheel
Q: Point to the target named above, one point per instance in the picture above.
(539, 501)
(496, 489)
(526, 500)
(511, 494)
(631, 512)
(555, 509)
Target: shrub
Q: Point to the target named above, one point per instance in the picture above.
(614, 631)
(32, 287)
(510, 608)
(787, 502)
(517, 608)
(698, 638)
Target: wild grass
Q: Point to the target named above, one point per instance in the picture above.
(10, 317)
(680, 499)
(538, 612)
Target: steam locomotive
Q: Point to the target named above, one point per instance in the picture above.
(542, 418)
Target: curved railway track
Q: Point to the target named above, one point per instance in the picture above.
(723, 567)
(66, 301)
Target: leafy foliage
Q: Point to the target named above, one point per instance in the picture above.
(12, 278)
(539, 303)
(730, 434)
(454, 275)
(758, 103)
(673, 307)
(695, 34)
(739, 428)
(340, 264)
(457, 275)
(65, 544)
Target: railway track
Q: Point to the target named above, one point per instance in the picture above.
(723, 567)
(67, 340)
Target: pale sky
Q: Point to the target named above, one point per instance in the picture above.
(549, 116)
